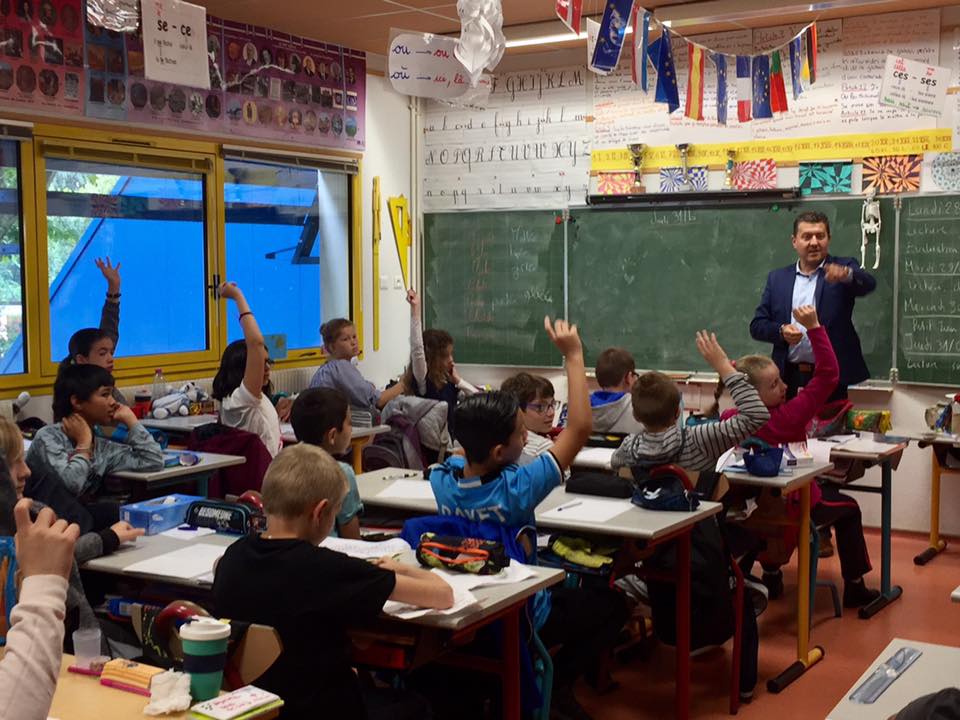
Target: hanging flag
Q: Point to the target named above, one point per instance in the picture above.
(720, 61)
(743, 88)
(569, 12)
(796, 66)
(778, 92)
(641, 36)
(661, 52)
(613, 29)
(811, 41)
(761, 87)
(694, 107)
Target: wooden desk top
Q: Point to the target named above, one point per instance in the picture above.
(288, 436)
(786, 483)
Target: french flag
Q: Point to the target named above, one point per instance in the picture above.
(569, 11)
(744, 89)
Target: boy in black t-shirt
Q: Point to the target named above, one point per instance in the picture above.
(311, 595)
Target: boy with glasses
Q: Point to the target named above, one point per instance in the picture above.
(535, 396)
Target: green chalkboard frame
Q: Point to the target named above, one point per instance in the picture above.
(718, 268)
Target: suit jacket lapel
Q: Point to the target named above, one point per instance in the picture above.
(788, 298)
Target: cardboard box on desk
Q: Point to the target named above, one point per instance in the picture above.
(158, 514)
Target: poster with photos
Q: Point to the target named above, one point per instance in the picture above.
(283, 87)
(106, 94)
(41, 54)
(171, 105)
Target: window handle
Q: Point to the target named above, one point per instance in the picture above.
(213, 288)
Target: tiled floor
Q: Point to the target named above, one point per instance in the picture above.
(924, 612)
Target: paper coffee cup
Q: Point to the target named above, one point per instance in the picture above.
(204, 643)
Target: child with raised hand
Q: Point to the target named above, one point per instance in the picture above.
(341, 346)
(34, 643)
(96, 346)
(788, 423)
(68, 455)
(432, 373)
(664, 439)
(244, 372)
(311, 594)
(488, 485)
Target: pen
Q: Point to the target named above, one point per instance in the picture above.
(569, 505)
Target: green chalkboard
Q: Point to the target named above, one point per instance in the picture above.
(928, 312)
(649, 279)
(490, 279)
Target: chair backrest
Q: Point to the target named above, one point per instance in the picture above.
(236, 479)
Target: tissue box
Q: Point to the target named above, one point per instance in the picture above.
(159, 514)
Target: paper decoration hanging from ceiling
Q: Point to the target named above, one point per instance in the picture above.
(946, 171)
(482, 41)
(755, 175)
(694, 107)
(891, 173)
(672, 180)
(720, 61)
(819, 178)
(569, 12)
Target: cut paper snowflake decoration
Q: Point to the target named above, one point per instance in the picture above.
(946, 171)
(819, 178)
(755, 175)
(891, 173)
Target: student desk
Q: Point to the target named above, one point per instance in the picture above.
(82, 697)
(501, 602)
(149, 484)
(885, 458)
(937, 668)
(634, 523)
(180, 424)
(359, 439)
(799, 480)
(940, 443)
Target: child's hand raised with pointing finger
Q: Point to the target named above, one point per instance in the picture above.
(564, 336)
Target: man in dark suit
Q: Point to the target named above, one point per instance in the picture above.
(832, 284)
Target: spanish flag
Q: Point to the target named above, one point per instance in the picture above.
(778, 91)
(694, 108)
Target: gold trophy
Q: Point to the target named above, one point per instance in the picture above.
(728, 171)
(637, 150)
(685, 185)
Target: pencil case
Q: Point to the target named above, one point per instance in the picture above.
(459, 554)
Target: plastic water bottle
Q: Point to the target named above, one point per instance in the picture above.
(160, 387)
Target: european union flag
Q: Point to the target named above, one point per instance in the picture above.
(661, 53)
(721, 62)
(796, 65)
(761, 87)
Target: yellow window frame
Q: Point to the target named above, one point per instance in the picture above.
(135, 151)
(162, 152)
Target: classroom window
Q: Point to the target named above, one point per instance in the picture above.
(149, 220)
(288, 246)
(12, 353)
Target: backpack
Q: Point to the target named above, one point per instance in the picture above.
(400, 447)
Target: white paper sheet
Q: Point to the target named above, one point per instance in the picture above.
(820, 449)
(515, 572)
(408, 489)
(191, 534)
(594, 457)
(586, 509)
(187, 563)
(462, 599)
(866, 446)
(366, 550)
